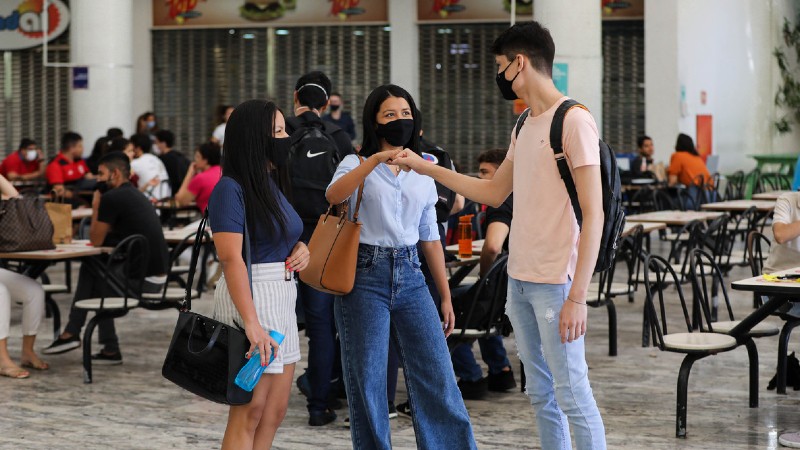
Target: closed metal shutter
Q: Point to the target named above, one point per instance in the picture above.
(196, 70)
(38, 105)
(462, 109)
(623, 83)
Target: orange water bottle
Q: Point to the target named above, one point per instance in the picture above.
(465, 236)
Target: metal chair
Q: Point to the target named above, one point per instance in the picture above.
(695, 344)
(130, 258)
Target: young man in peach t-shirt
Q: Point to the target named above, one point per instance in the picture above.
(551, 259)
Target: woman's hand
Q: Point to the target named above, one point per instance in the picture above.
(260, 339)
(385, 156)
(408, 160)
(299, 258)
(448, 316)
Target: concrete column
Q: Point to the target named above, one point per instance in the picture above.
(142, 61)
(101, 37)
(404, 46)
(577, 33)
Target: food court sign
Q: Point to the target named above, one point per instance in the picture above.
(22, 22)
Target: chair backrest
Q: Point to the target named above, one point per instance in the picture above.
(641, 201)
(663, 201)
(687, 201)
(774, 181)
(657, 300)
(734, 189)
(758, 247)
(683, 242)
(744, 222)
(128, 261)
(718, 241)
(483, 305)
(705, 274)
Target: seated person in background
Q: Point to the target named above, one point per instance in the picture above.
(686, 165)
(15, 288)
(119, 210)
(101, 147)
(784, 253)
(202, 176)
(25, 163)
(68, 173)
(642, 165)
(153, 177)
(175, 162)
(471, 382)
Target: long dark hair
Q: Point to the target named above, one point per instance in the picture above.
(685, 144)
(371, 143)
(248, 151)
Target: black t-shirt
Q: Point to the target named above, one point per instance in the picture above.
(128, 212)
(177, 165)
(501, 214)
(345, 123)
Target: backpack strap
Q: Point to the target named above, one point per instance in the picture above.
(360, 192)
(521, 120)
(556, 134)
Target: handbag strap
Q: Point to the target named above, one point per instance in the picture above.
(360, 191)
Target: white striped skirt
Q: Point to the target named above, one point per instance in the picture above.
(274, 299)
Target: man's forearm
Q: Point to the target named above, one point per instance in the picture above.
(489, 192)
(785, 232)
(587, 255)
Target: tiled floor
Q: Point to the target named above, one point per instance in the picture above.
(133, 407)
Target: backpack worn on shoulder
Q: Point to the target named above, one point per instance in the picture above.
(614, 221)
(313, 159)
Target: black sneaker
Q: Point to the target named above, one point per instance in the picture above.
(392, 411)
(473, 390)
(318, 419)
(62, 345)
(102, 359)
(404, 410)
(501, 382)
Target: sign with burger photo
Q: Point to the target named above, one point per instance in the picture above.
(237, 13)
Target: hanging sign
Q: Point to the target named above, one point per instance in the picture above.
(22, 22)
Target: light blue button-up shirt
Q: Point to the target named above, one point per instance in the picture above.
(396, 211)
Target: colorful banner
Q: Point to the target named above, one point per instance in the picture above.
(623, 9)
(22, 22)
(264, 13)
(472, 10)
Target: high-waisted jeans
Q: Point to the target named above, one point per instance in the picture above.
(391, 301)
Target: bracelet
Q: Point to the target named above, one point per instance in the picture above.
(573, 301)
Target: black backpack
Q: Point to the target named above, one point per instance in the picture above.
(313, 159)
(614, 221)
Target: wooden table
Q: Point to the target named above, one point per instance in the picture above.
(648, 227)
(62, 252)
(477, 246)
(773, 195)
(176, 235)
(780, 293)
(740, 205)
(677, 218)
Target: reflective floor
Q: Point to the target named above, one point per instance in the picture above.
(132, 407)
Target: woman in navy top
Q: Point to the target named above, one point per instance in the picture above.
(250, 195)
(390, 299)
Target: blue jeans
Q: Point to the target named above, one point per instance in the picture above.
(492, 352)
(322, 346)
(390, 300)
(556, 374)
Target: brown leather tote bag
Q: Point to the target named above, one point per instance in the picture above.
(334, 250)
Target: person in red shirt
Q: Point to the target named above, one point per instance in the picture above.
(202, 176)
(68, 167)
(25, 163)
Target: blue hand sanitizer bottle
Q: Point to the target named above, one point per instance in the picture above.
(250, 374)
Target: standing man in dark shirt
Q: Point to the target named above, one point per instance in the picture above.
(313, 157)
(498, 224)
(119, 210)
(339, 117)
(176, 163)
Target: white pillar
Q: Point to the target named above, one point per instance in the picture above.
(662, 93)
(105, 45)
(404, 46)
(577, 33)
(142, 61)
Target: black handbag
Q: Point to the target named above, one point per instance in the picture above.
(205, 355)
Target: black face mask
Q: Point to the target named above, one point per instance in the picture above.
(397, 132)
(335, 108)
(505, 85)
(102, 187)
(280, 148)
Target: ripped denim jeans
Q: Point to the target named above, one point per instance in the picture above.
(556, 374)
